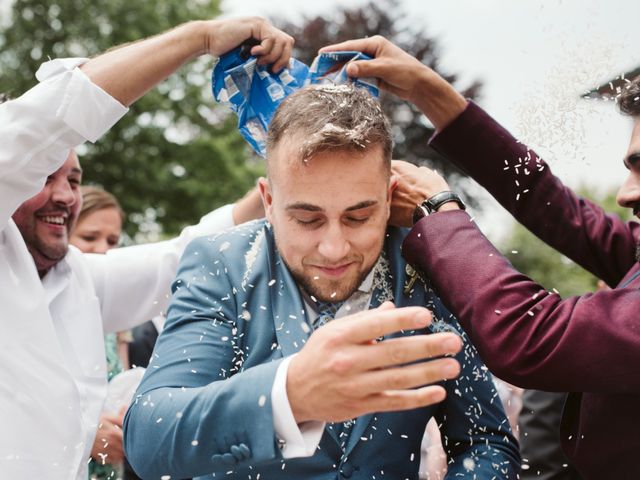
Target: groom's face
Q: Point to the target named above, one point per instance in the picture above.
(329, 215)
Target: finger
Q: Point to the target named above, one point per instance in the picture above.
(399, 351)
(372, 324)
(388, 305)
(283, 61)
(365, 45)
(274, 54)
(407, 377)
(264, 48)
(366, 68)
(397, 400)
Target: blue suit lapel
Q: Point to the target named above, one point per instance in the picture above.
(287, 307)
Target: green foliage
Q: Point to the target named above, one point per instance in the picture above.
(545, 265)
(387, 18)
(175, 155)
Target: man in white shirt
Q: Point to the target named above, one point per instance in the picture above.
(55, 303)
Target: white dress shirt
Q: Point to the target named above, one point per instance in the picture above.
(52, 360)
(301, 440)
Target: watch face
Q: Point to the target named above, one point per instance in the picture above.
(419, 212)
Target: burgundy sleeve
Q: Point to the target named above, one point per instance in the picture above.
(526, 335)
(523, 183)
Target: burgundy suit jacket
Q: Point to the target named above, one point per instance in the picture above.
(589, 345)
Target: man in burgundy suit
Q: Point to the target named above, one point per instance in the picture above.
(589, 345)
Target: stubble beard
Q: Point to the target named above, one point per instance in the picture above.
(45, 254)
(333, 290)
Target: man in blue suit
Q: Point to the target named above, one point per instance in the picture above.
(253, 379)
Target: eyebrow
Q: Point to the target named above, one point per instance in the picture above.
(315, 208)
(76, 170)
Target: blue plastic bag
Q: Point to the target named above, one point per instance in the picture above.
(254, 93)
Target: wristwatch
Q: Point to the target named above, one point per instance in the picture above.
(433, 203)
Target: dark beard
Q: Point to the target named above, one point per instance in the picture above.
(638, 251)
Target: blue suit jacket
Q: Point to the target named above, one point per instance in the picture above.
(204, 405)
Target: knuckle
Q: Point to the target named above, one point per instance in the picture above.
(397, 381)
(396, 355)
(332, 337)
(340, 363)
(376, 328)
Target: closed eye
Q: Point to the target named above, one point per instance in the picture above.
(357, 220)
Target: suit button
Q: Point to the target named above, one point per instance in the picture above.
(229, 459)
(240, 452)
(346, 469)
(246, 451)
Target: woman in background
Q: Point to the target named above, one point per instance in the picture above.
(98, 230)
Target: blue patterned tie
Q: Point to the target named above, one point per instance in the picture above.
(327, 312)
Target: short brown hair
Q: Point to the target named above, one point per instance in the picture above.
(331, 117)
(95, 199)
(630, 98)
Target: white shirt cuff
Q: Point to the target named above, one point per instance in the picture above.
(295, 440)
(84, 107)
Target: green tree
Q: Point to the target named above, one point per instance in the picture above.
(387, 18)
(534, 258)
(175, 155)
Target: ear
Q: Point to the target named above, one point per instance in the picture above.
(393, 184)
(267, 197)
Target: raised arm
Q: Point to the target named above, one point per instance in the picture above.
(73, 105)
(404, 76)
(128, 72)
(509, 170)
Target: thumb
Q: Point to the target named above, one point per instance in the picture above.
(354, 69)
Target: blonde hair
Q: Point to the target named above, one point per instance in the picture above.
(96, 198)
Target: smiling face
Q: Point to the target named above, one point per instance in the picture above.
(329, 215)
(46, 219)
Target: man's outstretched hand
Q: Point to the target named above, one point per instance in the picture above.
(343, 371)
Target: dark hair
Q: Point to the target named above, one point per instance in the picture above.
(629, 101)
(331, 117)
(4, 97)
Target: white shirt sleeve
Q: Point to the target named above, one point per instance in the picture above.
(296, 440)
(41, 126)
(133, 284)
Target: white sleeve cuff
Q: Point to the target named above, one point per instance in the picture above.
(295, 440)
(84, 107)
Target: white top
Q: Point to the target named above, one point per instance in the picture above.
(52, 360)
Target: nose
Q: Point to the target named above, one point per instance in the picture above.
(629, 194)
(334, 245)
(100, 246)
(63, 193)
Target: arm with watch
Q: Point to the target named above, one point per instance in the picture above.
(526, 335)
